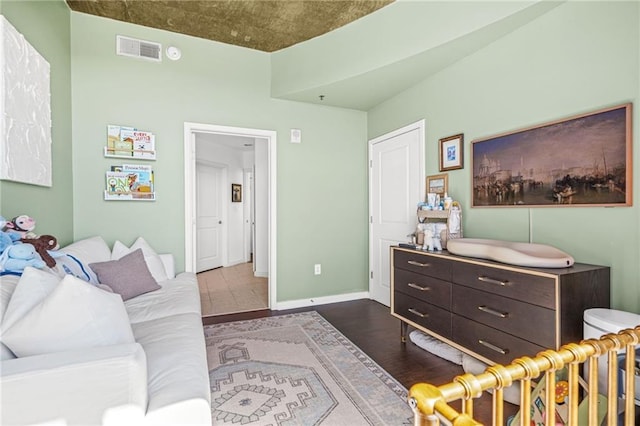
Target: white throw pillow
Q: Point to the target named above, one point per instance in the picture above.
(8, 284)
(119, 250)
(89, 250)
(76, 315)
(33, 287)
(154, 263)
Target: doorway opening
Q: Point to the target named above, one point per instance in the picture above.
(240, 226)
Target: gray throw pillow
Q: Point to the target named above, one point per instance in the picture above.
(128, 276)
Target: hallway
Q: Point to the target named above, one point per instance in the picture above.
(232, 289)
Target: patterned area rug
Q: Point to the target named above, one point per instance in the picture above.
(297, 369)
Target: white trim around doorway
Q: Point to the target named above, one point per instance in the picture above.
(190, 199)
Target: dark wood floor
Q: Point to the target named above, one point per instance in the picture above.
(370, 326)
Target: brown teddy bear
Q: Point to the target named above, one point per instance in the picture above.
(43, 243)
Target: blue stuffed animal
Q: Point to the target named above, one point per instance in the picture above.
(17, 257)
(5, 241)
(6, 238)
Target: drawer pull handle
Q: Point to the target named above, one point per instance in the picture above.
(417, 287)
(493, 347)
(415, 263)
(492, 281)
(418, 313)
(493, 312)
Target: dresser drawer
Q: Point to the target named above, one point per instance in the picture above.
(423, 287)
(423, 264)
(533, 323)
(426, 315)
(534, 289)
(490, 343)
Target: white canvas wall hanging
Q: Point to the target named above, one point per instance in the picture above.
(25, 110)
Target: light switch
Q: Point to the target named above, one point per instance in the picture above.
(296, 135)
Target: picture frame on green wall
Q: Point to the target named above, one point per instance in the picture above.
(451, 152)
(437, 184)
(584, 160)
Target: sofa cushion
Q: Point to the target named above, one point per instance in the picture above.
(76, 315)
(177, 368)
(128, 276)
(156, 267)
(89, 250)
(179, 295)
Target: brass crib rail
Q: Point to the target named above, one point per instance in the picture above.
(430, 403)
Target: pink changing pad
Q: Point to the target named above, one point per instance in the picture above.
(521, 254)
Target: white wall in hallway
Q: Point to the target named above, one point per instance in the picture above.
(261, 185)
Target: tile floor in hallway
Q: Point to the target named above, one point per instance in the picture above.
(232, 289)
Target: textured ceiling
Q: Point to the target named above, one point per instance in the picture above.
(266, 25)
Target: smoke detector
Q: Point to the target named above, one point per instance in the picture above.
(173, 53)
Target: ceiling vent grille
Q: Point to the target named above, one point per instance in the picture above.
(127, 46)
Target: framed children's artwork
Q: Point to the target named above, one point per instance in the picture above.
(236, 193)
(451, 152)
(437, 184)
(580, 161)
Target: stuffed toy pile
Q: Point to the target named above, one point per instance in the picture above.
(21, 247)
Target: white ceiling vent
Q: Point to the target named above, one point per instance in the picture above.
(127, 46)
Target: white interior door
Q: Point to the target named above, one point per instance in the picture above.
(396, 185)
(209, 216)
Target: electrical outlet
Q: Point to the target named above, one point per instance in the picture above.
(317, 269)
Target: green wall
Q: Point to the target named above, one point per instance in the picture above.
(321, 183)
(579, 57)
(45, 24)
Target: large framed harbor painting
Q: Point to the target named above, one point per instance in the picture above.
(584, 160)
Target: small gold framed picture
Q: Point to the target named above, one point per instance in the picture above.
(437, 184)
(451, 152)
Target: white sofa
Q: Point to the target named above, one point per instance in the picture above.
(160, 379)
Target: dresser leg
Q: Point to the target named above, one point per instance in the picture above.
(403, 331)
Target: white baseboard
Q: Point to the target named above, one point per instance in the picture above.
(261, 274)
(313, 301)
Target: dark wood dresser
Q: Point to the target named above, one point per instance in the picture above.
(493, 311)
